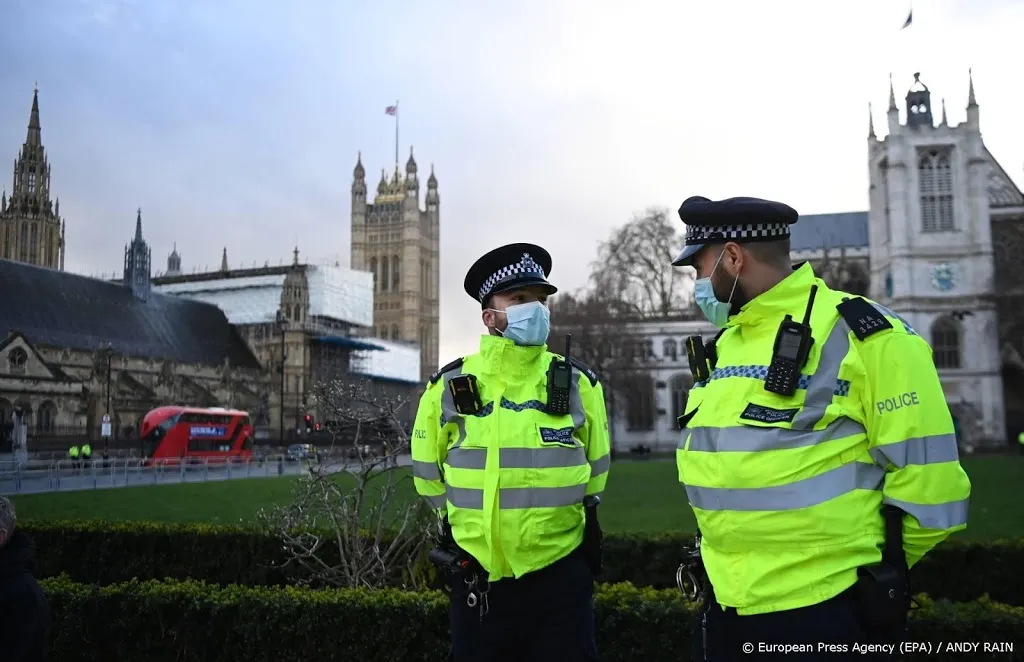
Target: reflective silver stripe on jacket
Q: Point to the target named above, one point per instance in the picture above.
(518, 458)
(517, 498)
(934, 516)
(750, 438)
(791, 496)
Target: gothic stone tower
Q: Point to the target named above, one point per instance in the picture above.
(399, 243)
(31, 229)
(930, 235)
(137, 260)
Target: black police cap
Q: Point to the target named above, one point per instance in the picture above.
(743, 220)
(507, 268)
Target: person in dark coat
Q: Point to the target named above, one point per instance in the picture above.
(24, 612)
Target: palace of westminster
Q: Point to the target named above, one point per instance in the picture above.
(74, 348)
(940, 243)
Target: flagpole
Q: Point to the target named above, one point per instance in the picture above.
(396, 135)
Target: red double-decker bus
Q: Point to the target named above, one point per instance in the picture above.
(174, 433)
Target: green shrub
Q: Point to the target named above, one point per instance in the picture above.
(184, 621)
(112, 552)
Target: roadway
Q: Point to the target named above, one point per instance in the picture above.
(63, 477)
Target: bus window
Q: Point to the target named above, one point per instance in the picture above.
(246, 443)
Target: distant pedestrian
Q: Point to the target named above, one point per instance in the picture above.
(24, 612)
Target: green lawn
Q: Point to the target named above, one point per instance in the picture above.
(641, 497)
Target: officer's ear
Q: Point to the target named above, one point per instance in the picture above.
(733, 258)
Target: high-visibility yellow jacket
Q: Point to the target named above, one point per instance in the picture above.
(787, 491)
(73, 452)
(512, 478)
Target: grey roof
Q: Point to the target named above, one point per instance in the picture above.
(61, 309)
(813, 232)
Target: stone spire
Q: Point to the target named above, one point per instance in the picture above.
(137, 261)
(224, 259)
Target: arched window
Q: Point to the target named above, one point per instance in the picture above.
(670, 349)
(946, 342)
(679, 387)
(935, 187)
(376, 276)
(384, 274)
(395, 333)
(17, 359)
(640, 403)
(396, 274)
(46, 417)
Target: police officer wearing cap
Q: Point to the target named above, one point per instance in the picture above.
(510, 446)
(817, 449)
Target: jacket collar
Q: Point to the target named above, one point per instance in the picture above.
(500, 356)
(786, 296)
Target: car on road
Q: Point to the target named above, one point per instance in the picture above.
(298, 452)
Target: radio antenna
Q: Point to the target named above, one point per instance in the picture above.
(810, 304)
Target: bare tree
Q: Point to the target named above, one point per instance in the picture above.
(841, 272)
(635, 263)
(354, 520)
(604, 337)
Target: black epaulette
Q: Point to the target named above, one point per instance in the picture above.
(863, 319)
(448, 368)
(582, 367)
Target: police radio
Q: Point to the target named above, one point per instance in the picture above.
(560, 382)
(792, 347)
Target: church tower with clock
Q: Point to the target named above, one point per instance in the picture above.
(932, 259)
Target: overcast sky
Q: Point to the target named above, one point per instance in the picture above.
(236, 122)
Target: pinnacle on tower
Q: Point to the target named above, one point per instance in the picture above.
(892, 96)
(871, 122)
(359, 172)
(35, 133)
(295, 256)
(410, 165)
(138, 225)
(972, 102)
(224, 259)
(944, 121)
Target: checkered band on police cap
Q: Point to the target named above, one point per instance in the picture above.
(700, 234)
(524, 267)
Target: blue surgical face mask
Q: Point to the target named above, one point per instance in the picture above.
(717, 312)
(528, 323)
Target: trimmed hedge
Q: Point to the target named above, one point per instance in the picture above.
(113, 552)
(192, 621)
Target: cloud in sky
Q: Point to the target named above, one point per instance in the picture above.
(236, 122)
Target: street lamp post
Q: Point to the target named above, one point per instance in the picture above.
(108, 351)
(280, 327)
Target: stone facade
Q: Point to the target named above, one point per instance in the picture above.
(938, 198)
(31, 229)
(400, 244)
(940, 244)
(65, 391)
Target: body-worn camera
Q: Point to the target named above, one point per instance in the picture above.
(449, 561)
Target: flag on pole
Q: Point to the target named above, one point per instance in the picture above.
(391, 110)
(910, 19)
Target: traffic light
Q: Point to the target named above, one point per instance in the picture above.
(309, 423)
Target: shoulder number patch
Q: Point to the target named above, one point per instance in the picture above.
(863, 318)
(763, 414)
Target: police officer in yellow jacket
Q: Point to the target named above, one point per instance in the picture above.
(511, 447)
(817, 451)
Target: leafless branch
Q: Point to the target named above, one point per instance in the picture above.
(635, 263)
(354, 520)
